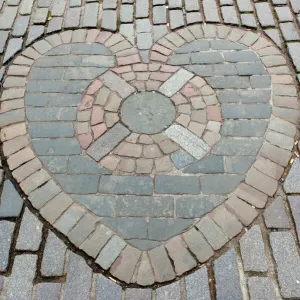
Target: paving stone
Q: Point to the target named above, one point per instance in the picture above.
(82, 229)
(7, 17)
(124, 266)
(294, 52)
(194, 207)
(253, 252)
(20, 26)
(229, 15)
(72, 18)
(219, 184)
(11, 202)
(291, 184)
(295, 6)
(51, 130)
(261, 288)
(20, 283)
(107, 289)
(287, 263)
(30, 233)
(6, 234)
(126, 14)
(181, 159)
(177, 185)
(79, 278)
(161, 264)
(163, 229)
(176, 19)
(81, 164)
(197, 285)
(110, 252)
(227, 277)
(55, 164)
(96, 241)
(212, 232)
(244, 212)
(3, 40)
(294, 204)
(264, 14)
(142, 9)
(159, 15)
(284, 14)
(49, 290)
(55, 207)
(211, 11)
(238, 164)
(126, 185)
(14, 46)
(53, 256)
(210, 164)
(127, 31)
(275, 215)
(90, 16)
(138, 294)
(289, 31)
(69, 218)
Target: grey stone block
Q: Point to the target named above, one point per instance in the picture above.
(177, 185)
(129, 228)
(78, 184)
(195, 46)
(220, 184)
(227, 277)
(176, 19)
(229, 82)
(209, 164)
(134, 293)
(289, 31)
(56, 147)
(126, 14)
(20, 26)
(264, 14)
(122, 185)
(84, 165)
(206, 58)
(246, 111)
(142, 9)
(35, 32)
(11, 202)
(159, 15)
(72, 18)
(238, 164)
(110, 252)
(55, 164)
(181, 159)
(261, 288)
(171, 291)
(47, 290)
(197, 284)
(253, 251)
(107, 289)
(30, 234)
(260, 82)
(287, 263)
(244, 128)
(6, 235)
(14, 46)
(291, 183)
(163, 229)
(79, 279)
(90, 17)
(51, 130)
(196, 207)
(54, 256)
(23, 270)
(135, 206)
(46, 73)
(253, 68)
(294, 50)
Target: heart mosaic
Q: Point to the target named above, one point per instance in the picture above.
(137, 163)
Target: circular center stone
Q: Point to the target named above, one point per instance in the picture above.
(147, 112)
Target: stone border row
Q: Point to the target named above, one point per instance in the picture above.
(224, 221)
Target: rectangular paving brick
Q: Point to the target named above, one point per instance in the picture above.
(122, 185)
(6, 235)
(261, 288)
(34, 181)
(20, 282)
(227, 277)
(264, 14)
(78, 283)
(175, 82)
(253, 251)
(287, 263)
(50, 290)
(108, 141)
(135, 206)
(107, 289)
(177, 185)
(196, 284)
(187, 140)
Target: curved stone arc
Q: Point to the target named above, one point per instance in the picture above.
(16, 130)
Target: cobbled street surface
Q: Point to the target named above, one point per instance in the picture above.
(149, 150)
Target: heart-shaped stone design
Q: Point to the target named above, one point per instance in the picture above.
(130, 193)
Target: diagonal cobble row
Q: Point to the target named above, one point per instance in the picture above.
(145, 21)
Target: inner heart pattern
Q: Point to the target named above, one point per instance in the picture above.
(149, 163)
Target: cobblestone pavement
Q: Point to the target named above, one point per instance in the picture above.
(153, 156)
